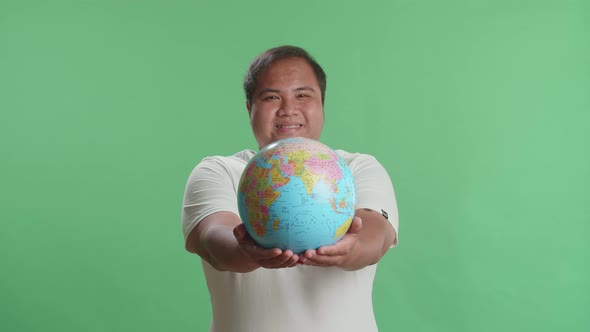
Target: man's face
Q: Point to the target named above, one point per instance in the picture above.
(287, 102)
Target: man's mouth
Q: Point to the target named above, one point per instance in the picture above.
(293, 126)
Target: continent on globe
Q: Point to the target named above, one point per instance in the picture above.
(297, 194)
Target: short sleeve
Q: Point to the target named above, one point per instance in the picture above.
(374, 188)
(209, 189)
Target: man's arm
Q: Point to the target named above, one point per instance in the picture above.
(222, 241)
(367, 240)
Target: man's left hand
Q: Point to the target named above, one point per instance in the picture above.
(337, 254)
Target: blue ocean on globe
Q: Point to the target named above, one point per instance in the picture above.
(296, 194)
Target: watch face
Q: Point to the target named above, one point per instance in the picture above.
(385, 214)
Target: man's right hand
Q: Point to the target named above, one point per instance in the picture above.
(268, 258)
(222, 240)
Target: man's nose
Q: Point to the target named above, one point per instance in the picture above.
(287, 107)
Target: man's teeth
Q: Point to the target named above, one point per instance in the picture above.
(290, 126)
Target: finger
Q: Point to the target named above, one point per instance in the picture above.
(311, 262)
(285, 259)
(258, 253)
(309, 253)
(312, 257)
(355, 226)
(240, 232)
(340, 248)
(251, 248)
(293, 261)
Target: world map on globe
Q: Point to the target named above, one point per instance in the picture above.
(296, 194)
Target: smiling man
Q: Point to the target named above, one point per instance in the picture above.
(258, 289)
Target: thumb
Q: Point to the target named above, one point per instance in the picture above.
(240, 232)
(355, 226)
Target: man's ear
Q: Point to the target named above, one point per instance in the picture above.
(248, 107)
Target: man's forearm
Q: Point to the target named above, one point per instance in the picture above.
(223, 252)
(374, 240)
(368, 251)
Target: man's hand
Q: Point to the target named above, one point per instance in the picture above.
(222, 240)
(364, 244)
(268, 258)
(338, 254)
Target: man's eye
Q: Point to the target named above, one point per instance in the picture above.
(302, 95)
(271, 97)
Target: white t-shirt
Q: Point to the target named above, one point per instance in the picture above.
(301, 298)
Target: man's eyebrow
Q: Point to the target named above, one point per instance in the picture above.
(265, 90)
(301, 88)
(305, 88)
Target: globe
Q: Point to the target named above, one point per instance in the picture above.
(296, 194)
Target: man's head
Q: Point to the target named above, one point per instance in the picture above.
(285, 92)
(267, 58)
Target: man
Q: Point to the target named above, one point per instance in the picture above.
(257, 289)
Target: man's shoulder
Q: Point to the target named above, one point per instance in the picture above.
(241, 157)
(354, 157)
(223, 165)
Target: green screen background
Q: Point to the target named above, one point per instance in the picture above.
(479, 110)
